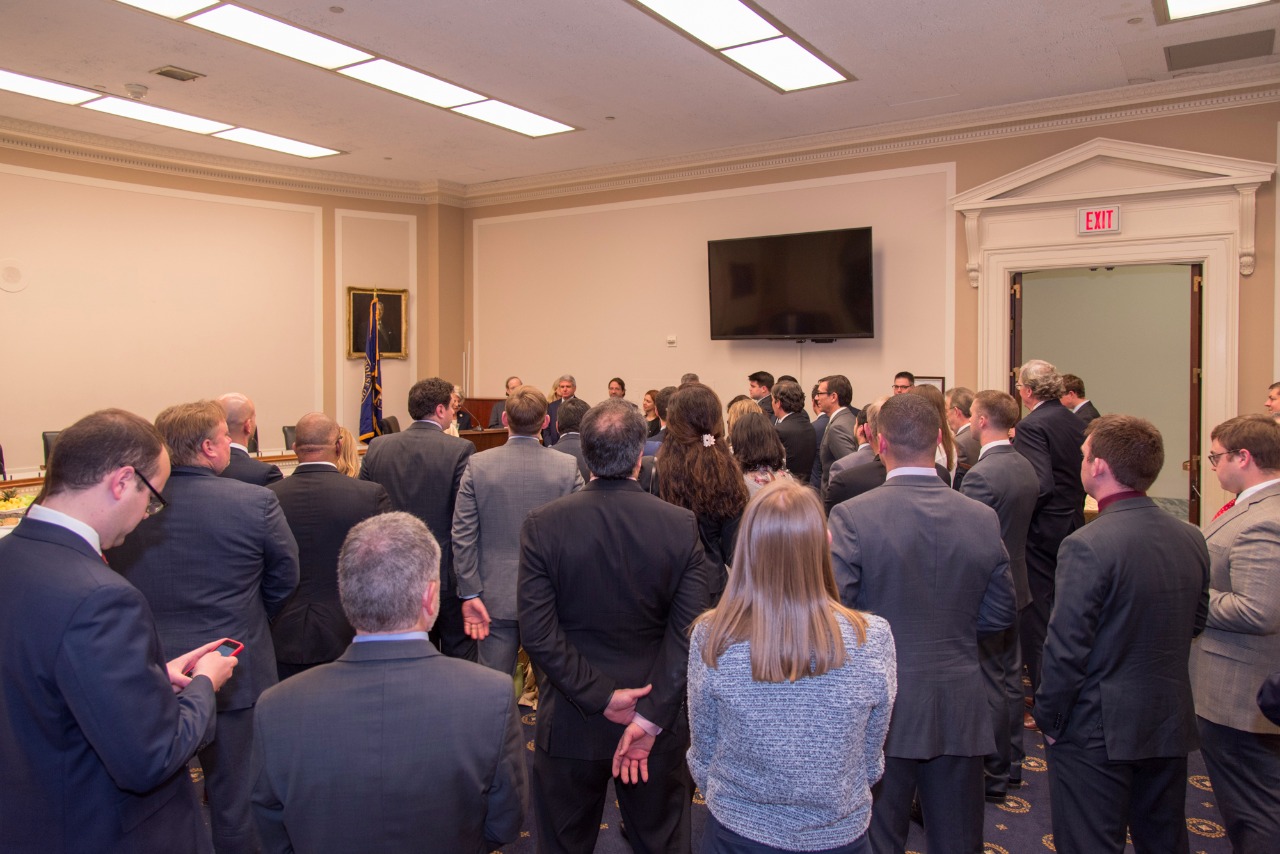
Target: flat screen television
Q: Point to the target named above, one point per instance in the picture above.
(815, 285)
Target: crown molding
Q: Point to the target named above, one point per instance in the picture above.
(1197, 93)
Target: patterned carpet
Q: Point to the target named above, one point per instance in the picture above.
(1020, 826)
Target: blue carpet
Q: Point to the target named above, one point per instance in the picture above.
(1020, 826)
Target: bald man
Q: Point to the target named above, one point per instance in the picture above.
(242, 423)
(321, 505)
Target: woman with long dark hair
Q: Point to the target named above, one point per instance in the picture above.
(790, 692)
(694, 469)
(758, 450)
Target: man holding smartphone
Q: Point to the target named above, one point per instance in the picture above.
(95, 727)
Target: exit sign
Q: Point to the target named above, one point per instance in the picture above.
(1098, 220)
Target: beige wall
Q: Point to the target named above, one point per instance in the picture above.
(577, 321)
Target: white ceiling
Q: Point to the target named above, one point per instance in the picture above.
(638, 90)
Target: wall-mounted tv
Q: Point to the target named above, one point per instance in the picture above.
(815, 285)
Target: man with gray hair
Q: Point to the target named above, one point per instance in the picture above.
(341, 762)
(321, 505)
(242, 424)
(566, 389)
(1050, 437)
(605, 605)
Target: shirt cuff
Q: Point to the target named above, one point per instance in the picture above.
(647, 725)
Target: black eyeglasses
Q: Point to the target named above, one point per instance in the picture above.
(157, 502)
(1213, 458)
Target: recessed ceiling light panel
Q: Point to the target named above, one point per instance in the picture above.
(170, 8)
(414, 84)
(718, 23)
(277, 36)
(785, 64)
(1179, 9)
(156, 115)
(512, 118)
(275, 143)
(37, 88)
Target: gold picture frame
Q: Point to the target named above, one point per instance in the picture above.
(393, 331)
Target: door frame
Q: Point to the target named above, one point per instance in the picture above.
(1179, 207)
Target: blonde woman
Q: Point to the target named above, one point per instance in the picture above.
(348, 453)
(790, 692)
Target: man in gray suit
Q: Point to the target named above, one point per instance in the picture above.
(959, 403)
(568, 422)
(835, 394)
(393, 747)
(499, 488)
(1002, 479)
(421, 468)
(930, 561)
(1114, 701)
(218, 563)
(1241, 643)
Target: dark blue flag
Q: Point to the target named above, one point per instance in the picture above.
(371, 396)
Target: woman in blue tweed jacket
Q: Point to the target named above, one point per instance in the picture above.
(790, 692)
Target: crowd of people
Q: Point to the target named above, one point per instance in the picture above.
(819, 615)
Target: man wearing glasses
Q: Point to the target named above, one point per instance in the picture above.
(833, 396)
(1241, 643)
(219, 562)
(95, 727)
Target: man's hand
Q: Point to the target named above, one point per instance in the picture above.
(202, 661)
(622, 704)
(475, 618)
(631, 759)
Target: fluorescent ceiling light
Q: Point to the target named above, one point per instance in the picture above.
(275, 143)
(156, 115)
(37, 88)
(405, 81)
(718, 23)
(785, 64)
(170, 8)
(278, 37)
(512, 118)
(1179, 9)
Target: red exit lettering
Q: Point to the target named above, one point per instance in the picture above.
(1098, 219)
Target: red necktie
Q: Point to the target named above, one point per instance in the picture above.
(1225, 508)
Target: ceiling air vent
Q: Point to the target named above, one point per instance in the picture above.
(173, 72)
(1180, 57)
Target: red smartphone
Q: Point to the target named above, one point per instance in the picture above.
(226, 647)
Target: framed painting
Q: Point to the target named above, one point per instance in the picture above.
(393, 322)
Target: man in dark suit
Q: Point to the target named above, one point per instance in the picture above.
(862, 433)
(568, 421)
(95, 728)
(959, 403)
(219, 562)
(820, 419)
(1050, 438)
(760, 389)
(605, 606)
(421, 468)
(321, 505)
(1114, 701)
(792, 423)
(930, 561)
(1002, 479)
(393, 747)
(1241, 642)
(838, 437)
(242, 423)
(499, 489)
(865, 476)
(495, 414)
(1073, 398)
(566, 389)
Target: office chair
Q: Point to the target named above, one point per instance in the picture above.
(290, 433)
(49, 437)
(391, 424)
